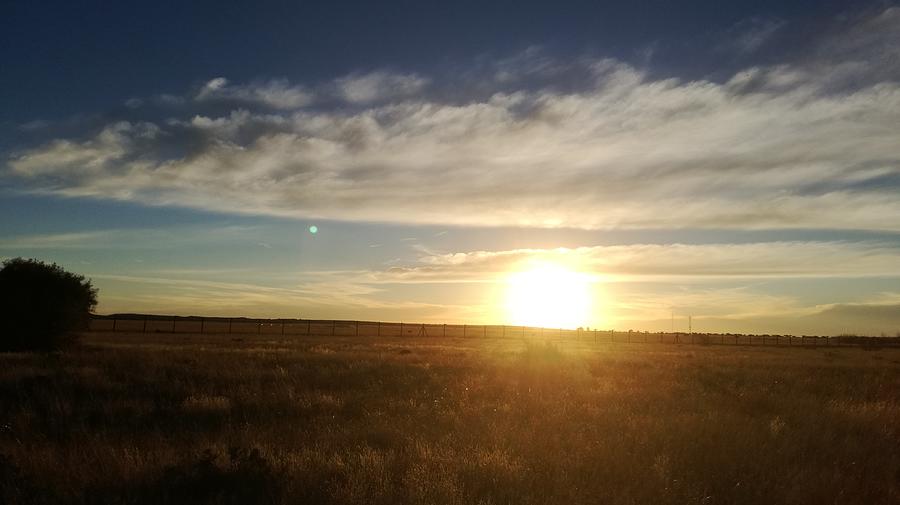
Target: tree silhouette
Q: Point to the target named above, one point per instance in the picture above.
(42, 305)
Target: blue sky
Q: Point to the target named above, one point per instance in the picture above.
(734, 163)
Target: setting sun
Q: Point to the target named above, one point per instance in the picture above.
(549, 295)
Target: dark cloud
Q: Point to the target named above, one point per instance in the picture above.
(862, 314)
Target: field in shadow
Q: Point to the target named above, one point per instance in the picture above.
(131, 419)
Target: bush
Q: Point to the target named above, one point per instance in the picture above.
(242, 477)
(42, 305)
(15, 487)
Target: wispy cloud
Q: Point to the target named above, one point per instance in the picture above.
(658, 262)
(35, 124)
(75, 240)
(799, 144)
(708, 282)
(138, 239)
(749, 35)
(277, 93)
(379, 86)
(311, 295)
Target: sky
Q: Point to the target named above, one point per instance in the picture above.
(734, 163)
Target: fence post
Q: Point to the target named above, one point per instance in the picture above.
(114, 325)
(144, 328)
(202, 320)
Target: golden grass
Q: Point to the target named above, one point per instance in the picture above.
(171, 419)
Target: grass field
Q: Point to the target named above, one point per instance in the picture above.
(205, 419)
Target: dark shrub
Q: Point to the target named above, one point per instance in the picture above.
(15, 487)
(242, 477)
(41, 305)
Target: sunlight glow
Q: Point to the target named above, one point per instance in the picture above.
(549, 295)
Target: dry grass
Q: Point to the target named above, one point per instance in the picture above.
(206, 419)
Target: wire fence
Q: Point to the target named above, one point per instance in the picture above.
(341, 328)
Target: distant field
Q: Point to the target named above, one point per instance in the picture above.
(163, 418)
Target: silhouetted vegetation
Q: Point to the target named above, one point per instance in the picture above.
(240, 476)
(41, 305)
(15, 487)
(140, 419)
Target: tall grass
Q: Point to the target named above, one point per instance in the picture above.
(206, 419)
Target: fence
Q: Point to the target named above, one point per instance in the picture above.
(338, 328)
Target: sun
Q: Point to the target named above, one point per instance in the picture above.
(549, 295)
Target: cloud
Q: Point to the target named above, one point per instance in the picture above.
(56, 241)
(85, 160)
(868, 41)
(139, 239)
(749, 35)
(870, 319)
(276, 93)
(874, 314)
(36, 124)
(659, 262)
(378, 86)
(313, 295)
(169, 99)
(807, 144)
(855, 319)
